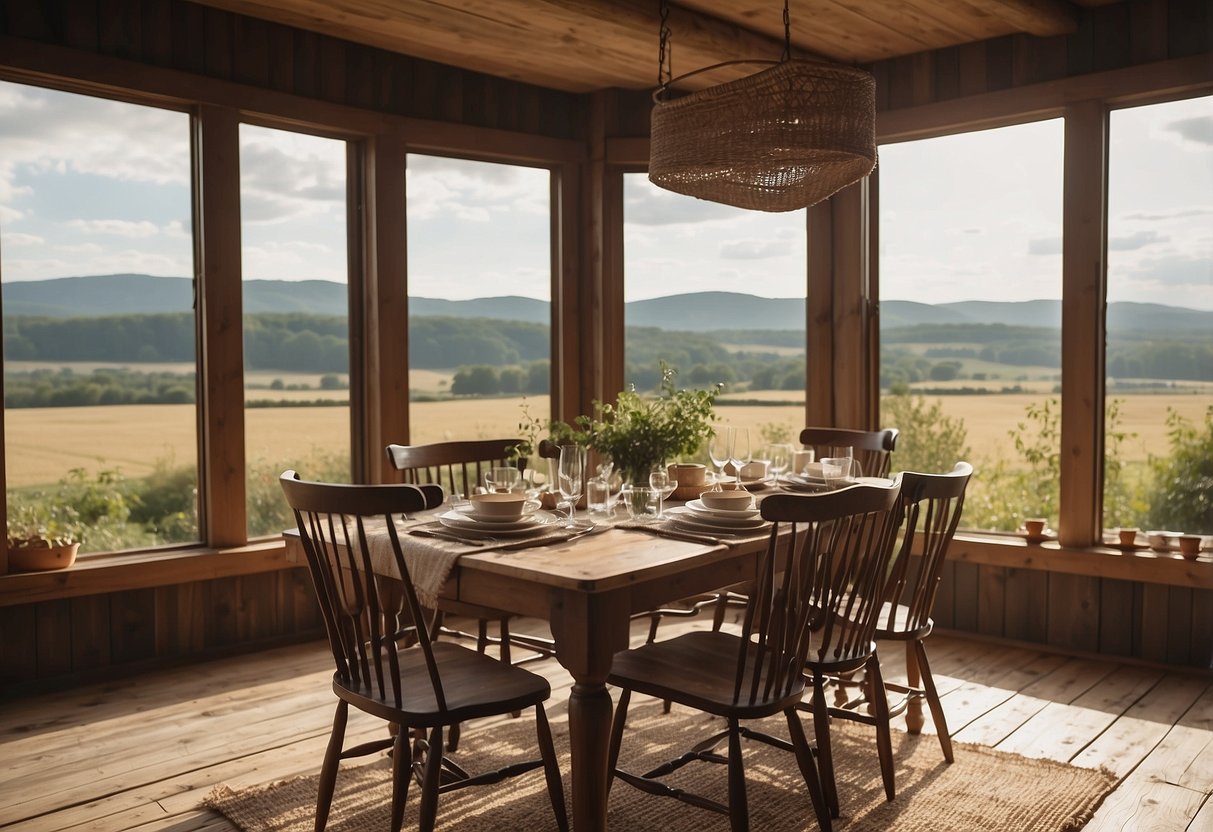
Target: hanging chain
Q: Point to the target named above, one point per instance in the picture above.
(787, 33)
(665, 50)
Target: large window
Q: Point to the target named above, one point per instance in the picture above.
(480, 277)
(718, 293)
(296, 320)
(99, 372)
(1158, 464)
(970, 284)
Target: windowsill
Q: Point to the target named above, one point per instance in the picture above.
(117, 572)
(1099, 561)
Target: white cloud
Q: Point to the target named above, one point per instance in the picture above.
(118, 228)
(1198, 129)
(755, 249)
(16, 238)
(1136, 240)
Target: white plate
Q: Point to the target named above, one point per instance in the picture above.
(684, 516)
(531, 524)
(698, 507)
(799, 482)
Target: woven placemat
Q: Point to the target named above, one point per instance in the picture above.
(983, 790)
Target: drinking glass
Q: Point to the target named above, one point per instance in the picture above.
(846, 452)
(571, 476)
(501, 479)
(661, 482)
(641, 503)
(779, 457)
(740, 455)
(720, 448)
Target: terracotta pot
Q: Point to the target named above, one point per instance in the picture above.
(32, 558)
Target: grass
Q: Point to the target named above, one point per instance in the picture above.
(42, 445)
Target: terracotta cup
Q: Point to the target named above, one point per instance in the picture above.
(688, 473)
(1035, 527)
(1128, 537)
(1189, 546)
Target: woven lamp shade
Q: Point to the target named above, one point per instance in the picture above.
(781, 139)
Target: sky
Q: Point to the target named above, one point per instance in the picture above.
(89, 186)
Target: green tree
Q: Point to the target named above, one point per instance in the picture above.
(929, 441)
(1183, 480)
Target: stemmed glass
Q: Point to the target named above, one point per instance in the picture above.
(740, 454)
(720, 448)
(661, 482)
(779, 457)
(571, 475)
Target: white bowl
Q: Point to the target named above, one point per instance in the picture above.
(727, 500)
(498, 506)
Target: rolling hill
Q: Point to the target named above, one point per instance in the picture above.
(124, 294)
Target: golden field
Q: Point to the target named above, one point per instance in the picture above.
(43, 444)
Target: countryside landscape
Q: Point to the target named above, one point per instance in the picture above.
(99, 380)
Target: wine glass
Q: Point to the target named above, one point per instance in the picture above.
(779, 457)
(720, 448)
(570, 473)
(740, 455)
(661, 482)
(501, 480)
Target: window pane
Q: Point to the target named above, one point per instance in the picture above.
(1158, 464)
(296, 320)
(970, 313)
(99, 371)
(718, 293)
(480, 278)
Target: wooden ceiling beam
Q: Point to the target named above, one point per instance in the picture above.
(1044, 18)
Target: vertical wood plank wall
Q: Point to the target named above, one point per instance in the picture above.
(64, 641)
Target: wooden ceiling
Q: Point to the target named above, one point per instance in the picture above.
(583, 45)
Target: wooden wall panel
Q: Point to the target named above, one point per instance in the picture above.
(1116, 617)
(54, 643)
(1025, 608)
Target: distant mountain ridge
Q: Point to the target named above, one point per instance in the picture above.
(136, 294)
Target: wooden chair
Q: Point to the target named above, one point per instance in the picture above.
(873, 448)
(931, 506)
(814, 605)
(423, 687)
(461, 466)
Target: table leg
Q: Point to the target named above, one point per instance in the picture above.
(589, 630)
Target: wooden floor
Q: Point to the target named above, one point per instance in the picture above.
(142, 753)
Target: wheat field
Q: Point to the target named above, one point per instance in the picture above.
(43, 444)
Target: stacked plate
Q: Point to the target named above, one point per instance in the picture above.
(697, 517)
(803, 482)
(529, 524)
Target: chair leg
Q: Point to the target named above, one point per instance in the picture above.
(482, 635)
(808, 769)
(551, 768)
(452, 738)
(621, 716)
(928, 685)
(739, 807)
(328, 770)
(402, 773)
(913, 681)
(825, 757)
(884, 736)
(430, 781)
(503, 627)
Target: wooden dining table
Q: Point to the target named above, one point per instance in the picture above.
(588, 589)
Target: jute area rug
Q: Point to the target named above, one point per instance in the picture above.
(983, 790)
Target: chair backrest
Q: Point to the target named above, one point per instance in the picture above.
(458, 466)
(365, 615)
(873, 448)
(932, 505)
(819, 588)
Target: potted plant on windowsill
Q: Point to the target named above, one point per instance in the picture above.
(43, 536)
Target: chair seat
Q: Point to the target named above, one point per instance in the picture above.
(474, 684)
(698, 669)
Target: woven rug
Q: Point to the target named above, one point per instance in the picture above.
(983, 790)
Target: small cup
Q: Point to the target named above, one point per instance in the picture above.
(836, 471)
(756, 470)
(641, 503)
(1128, 537)
(502, 480)
(801, 460)
(688, 473)
(1035, 528)
(1189, 546)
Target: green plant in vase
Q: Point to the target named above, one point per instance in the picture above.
(638, 433)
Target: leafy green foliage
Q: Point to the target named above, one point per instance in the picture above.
(929, 441)
(639, 432)
(1183, 493)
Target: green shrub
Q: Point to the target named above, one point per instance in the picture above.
(1183, 480)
